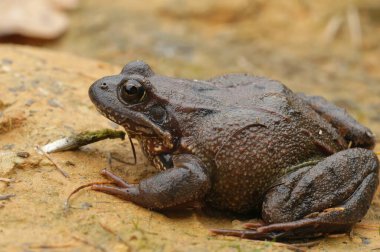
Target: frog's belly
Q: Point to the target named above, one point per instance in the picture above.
(255, 159)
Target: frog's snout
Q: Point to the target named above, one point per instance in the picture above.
(104, 89)
(103, 85)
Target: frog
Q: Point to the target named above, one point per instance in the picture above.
(242, 144)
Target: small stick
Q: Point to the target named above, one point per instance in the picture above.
(133, 150)
(307, 244)
(120, 239)
(67, 203)
(7, 180)
(51, 246)
(120, 160)
(354, 26)
(52, 161)
(336, 235)
(332, 29)
(78, 140)
(367, 226)
(6, 197)
(98, 247)
(290, 246)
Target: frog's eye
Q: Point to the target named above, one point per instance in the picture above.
(132, 92)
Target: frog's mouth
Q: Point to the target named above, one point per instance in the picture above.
(137, 129)
(137, 125)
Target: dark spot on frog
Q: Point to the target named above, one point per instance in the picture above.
(247, 144)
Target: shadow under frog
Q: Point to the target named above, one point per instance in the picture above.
(242, 144)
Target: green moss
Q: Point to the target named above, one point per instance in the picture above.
(88, 137)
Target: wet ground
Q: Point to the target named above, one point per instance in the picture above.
(43, 96)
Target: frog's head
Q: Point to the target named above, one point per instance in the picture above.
(129, 100)
(156, 110)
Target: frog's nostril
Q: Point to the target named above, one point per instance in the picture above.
(103, 85)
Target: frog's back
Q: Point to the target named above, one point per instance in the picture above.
(261, 133)
(246, 91)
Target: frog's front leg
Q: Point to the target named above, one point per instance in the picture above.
(348, 127)
(327, 198)
(186, 182)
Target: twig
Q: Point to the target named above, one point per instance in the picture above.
(7, 180)
(354, 26)
(51, 246)
(119, 238)
(289, 246)
(336, 235)
(6, 197)
(78, 140)
(67, 202)
(120, 160)
(367, 226)
(332, 29)
(52, 161)
(307, 244)
(98, 247)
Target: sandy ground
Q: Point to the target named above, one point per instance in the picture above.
(46, 98)
(43, 96)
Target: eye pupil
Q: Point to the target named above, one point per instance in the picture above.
(131, 89)
(132, 92)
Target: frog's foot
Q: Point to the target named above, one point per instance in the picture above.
(328, 198)
(115, 179)
(352, 131)
(186, 182)
(301, 229)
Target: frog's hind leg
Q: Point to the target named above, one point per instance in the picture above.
(328, 198)
(348, 127)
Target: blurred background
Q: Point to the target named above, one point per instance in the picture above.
(323, 47)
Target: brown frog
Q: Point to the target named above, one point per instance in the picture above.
(244, 144)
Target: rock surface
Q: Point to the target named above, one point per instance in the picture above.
(47, 93)
(41, 19)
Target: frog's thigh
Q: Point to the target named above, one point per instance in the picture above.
(348, 127)
(332, 195)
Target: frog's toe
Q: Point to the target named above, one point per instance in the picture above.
(247, 234)
(124, 193)
(115, 179)
(301, 229)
